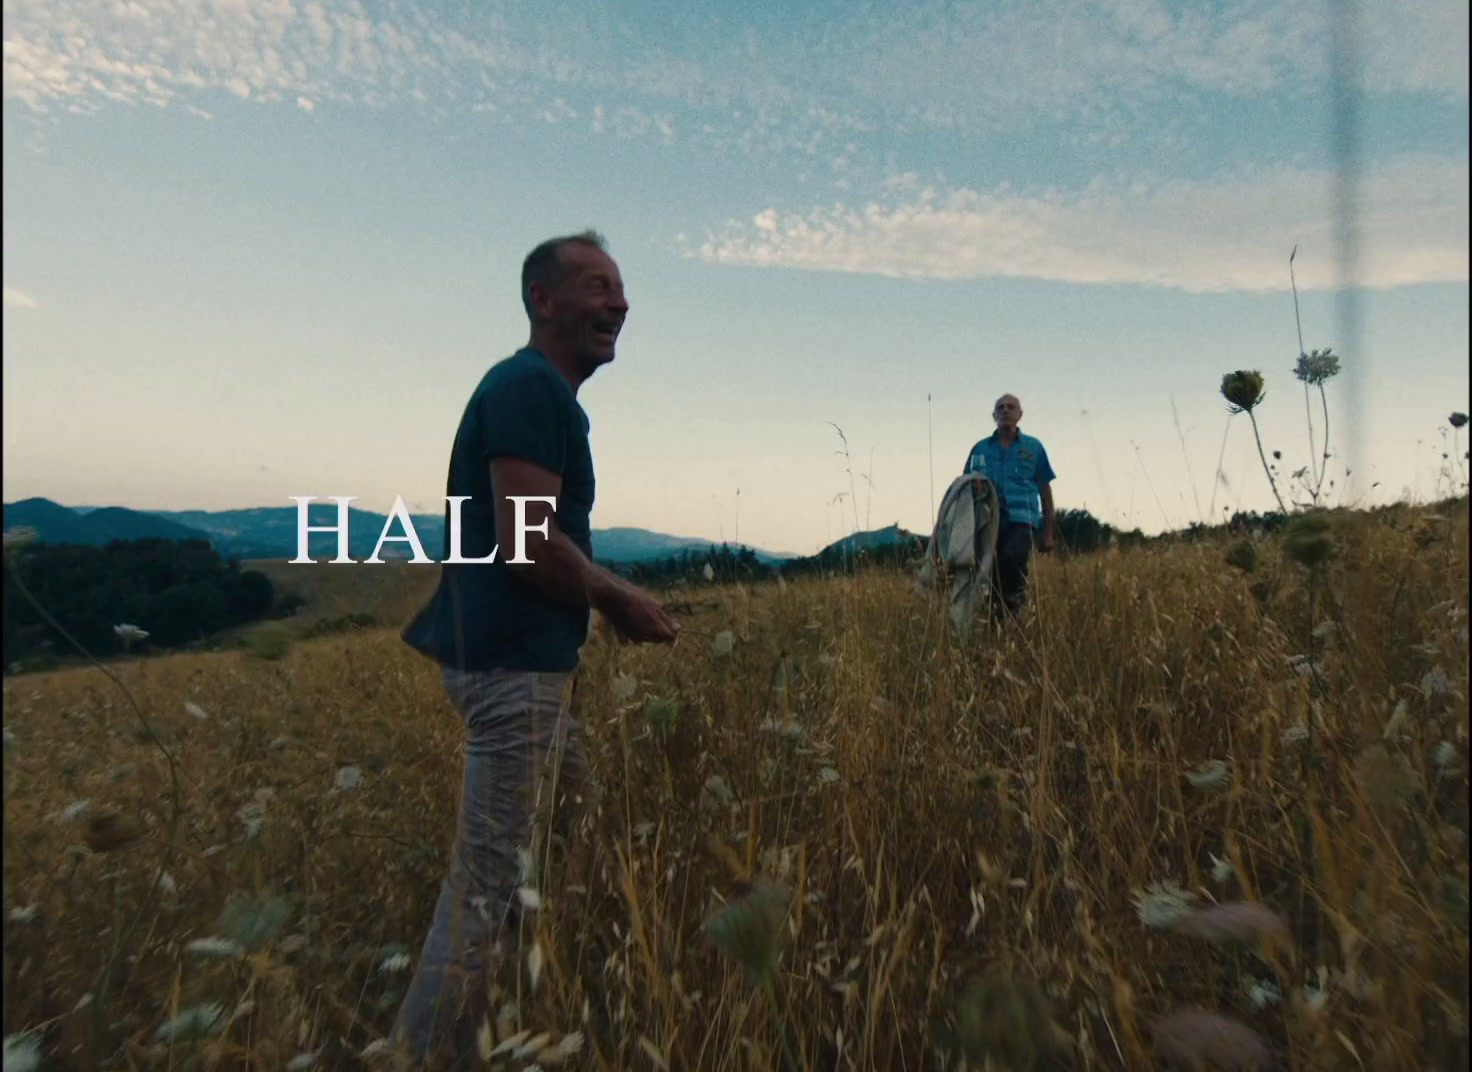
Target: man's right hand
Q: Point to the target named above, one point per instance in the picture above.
(637, 615)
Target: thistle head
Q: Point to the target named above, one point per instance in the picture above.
(1243, 390)
(1309, 540)
(1458, 420)
(1243, 555)
(1317, 367)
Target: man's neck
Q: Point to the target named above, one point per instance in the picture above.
(559, 357)
(1008, 436)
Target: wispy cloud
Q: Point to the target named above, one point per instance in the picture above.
(19, 299)
(1220, 236)
(972, 64)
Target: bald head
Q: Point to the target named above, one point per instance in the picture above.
(1007, 413)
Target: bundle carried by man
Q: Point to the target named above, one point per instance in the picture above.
(962, 548)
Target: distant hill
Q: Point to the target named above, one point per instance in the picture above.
(870, 541)
(630, 545)
(270, 532)
(59, 524)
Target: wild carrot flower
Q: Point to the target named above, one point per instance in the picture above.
(1162, 903)
(749, 929)
(22, 1052)
(196, 1022)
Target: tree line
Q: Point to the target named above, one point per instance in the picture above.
(177, 591)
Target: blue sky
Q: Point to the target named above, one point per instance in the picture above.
(263, 248)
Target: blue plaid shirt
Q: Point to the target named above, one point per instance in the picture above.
(1017, 471)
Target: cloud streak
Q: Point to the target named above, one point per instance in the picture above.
(936, 64)
(19, 299)
(1228, 235)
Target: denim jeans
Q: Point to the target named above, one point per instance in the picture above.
(1014, 556)
(523, 763)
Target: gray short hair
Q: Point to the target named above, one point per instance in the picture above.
(543, 263)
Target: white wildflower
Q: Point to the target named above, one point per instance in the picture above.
(75, 810)
(723, 643)
(1316, 994)
(530, 899)
(1435, 682)
(302, 1061)
(1295, 735)
(166, 883)
(827, 775)
(348, 778)
(1326, 629)
(83, 1002)
(253, 817)
(22, 1052)
(1221, 870)
(195, 1022)
(214, 946)
(24, 915)
(193, 710)
(129, 632)
(1262, 992)
(1162, 903)
(1444, 755)
(708, 573)
(394, 963)
(1210, 775)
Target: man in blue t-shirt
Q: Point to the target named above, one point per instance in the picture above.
(508, 634)
(1018, 466)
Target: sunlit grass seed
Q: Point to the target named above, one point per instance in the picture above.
(214, 947)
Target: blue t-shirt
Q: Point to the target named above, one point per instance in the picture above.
(1017, 471)
(483, 616)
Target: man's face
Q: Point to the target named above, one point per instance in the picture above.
(1008, 412)
(586, 303)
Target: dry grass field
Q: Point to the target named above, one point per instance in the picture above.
(838, 839)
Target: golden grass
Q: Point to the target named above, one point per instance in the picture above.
(964, 831)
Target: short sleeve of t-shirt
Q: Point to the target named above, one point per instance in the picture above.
(523, 416)
(1045, 474)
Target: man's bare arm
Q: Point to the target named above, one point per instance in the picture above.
(558, 569)
(1050, 516)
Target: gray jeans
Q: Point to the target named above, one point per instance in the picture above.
(523, 762)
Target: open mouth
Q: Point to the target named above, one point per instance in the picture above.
(606, 333)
